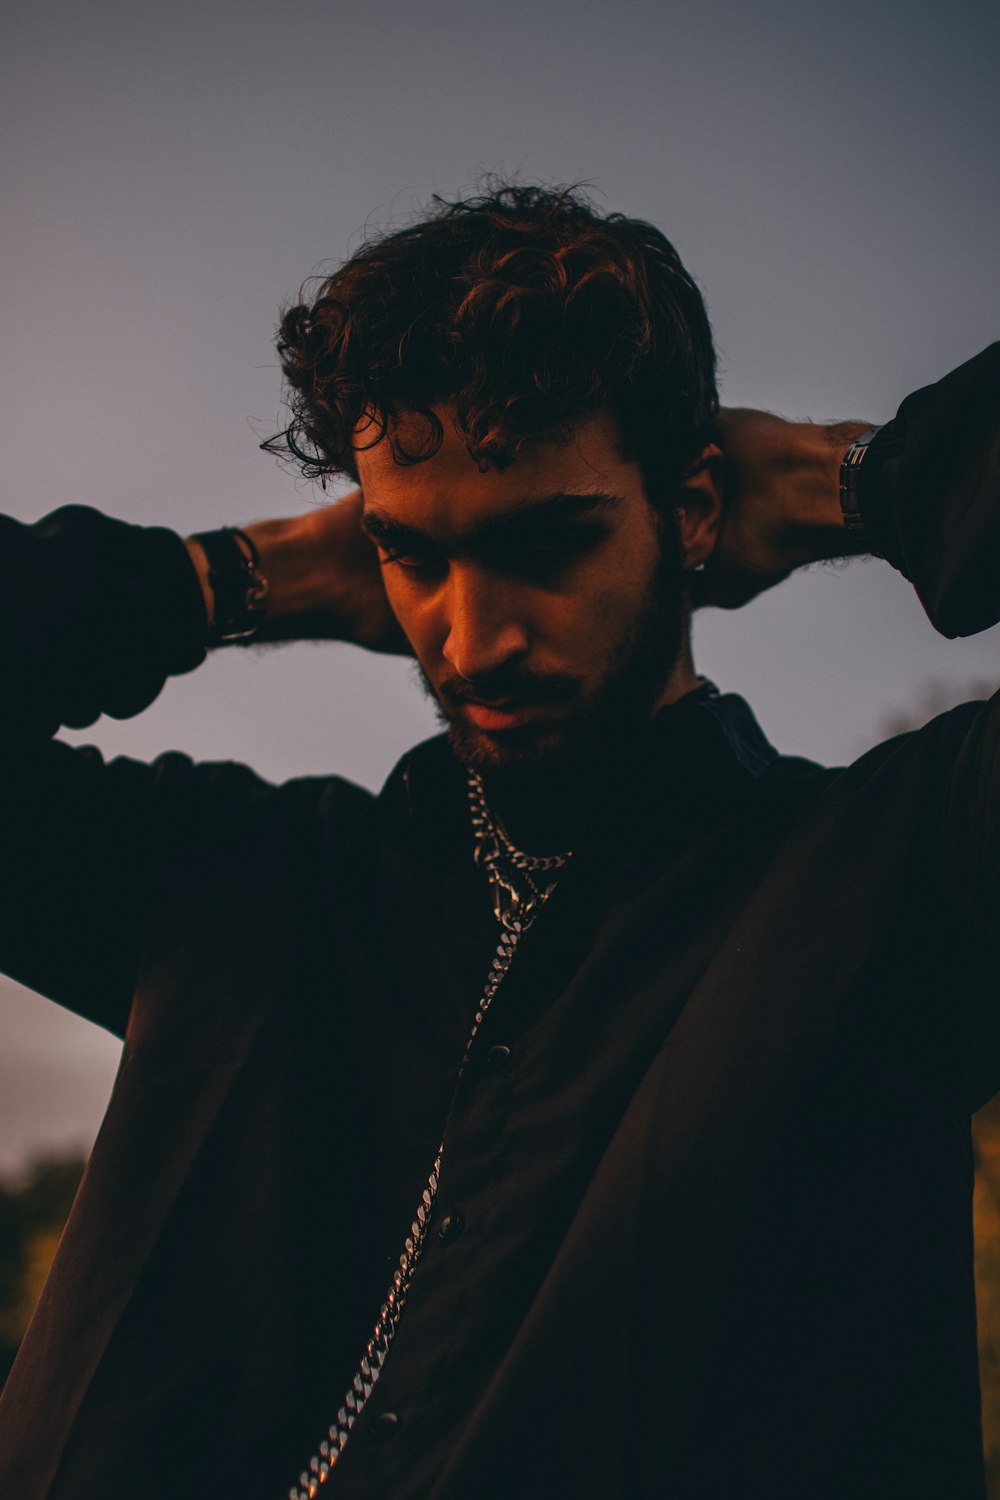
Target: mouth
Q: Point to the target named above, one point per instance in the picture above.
(511, 710)
(497, 716)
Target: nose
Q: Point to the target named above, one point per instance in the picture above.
(484, 628)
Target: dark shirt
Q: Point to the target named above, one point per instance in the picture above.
(707, 1178)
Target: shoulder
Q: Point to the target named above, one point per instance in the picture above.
(932, 752)
(926, 787)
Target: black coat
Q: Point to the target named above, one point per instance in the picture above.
(711, 1156)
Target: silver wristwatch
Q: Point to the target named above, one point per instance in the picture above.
(850, 465)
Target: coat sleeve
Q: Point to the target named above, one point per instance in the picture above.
(930, 495)
(94, 615)
(931, 501)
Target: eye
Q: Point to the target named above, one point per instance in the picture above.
(547, 555)
(417, 564)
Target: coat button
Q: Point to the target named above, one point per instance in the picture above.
(385, 1426)
(498, 1055)
(451, 1227)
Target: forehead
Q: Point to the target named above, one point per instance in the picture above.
(447, 490)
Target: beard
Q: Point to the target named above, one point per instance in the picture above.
(589, 732)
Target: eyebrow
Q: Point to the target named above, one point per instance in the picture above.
(545, 510)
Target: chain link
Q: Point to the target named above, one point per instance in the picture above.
(489, 829)
(516, 911)
(511, 873)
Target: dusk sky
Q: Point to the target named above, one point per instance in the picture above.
(171, 174)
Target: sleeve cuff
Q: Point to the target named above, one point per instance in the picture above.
(164, 593)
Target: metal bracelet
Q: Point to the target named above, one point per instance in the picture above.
(239, 589)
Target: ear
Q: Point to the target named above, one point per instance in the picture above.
(698, 507)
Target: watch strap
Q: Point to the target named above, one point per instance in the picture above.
(239, 589)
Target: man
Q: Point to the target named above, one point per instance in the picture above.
(587, 1115)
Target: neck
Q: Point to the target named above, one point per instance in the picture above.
(682, 680)
(544, 808)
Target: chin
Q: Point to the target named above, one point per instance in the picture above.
(516, 749)
(537, 752)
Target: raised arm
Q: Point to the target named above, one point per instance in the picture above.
(928, 486)
(322, 578)
(782, 507)
(929, 497)
(95, 614)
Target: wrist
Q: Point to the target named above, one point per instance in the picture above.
(324, 576)
(235, 589)
(297, 583)
(289, 555)
(850, 498)
(323, 579)
(813, 519)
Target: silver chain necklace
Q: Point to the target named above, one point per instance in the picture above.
(512, 874)
(518, 897)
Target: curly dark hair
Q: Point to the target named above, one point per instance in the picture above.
(525, 310)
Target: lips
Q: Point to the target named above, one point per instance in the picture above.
(508, 702)
(497, 717)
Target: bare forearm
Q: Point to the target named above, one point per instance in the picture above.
(814, 523)
(782, 507)
(290, 561)
(323, 579)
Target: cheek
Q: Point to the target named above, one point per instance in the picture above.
(609, 620)
(578, 631)
(606, 603)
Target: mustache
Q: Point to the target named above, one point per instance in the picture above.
(506, 687)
